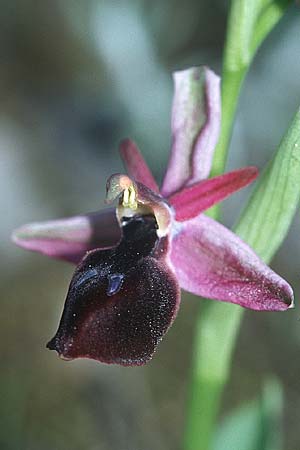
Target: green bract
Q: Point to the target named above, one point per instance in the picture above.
(266, 219)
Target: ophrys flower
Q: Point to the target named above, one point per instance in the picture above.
(133, 259)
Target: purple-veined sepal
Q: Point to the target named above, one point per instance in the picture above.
(69, 239)
(213, 262)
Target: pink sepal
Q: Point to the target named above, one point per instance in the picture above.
(69, 239)
(212, 262)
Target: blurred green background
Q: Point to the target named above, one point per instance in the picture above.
(75, 77)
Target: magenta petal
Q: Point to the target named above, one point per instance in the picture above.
(213, 262)
(191, 201)
(69, 239)
(195, 125)
(120, 301)
(135, 164)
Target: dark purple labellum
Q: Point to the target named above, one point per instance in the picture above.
(121, 301)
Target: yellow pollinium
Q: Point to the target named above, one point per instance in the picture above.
(129, 198)
(138, 200)
(122, 187)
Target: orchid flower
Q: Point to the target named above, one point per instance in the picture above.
(133, 259)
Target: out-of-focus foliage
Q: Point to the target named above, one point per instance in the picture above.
(255, 425)
(76, 77)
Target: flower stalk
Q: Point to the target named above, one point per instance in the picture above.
(269, 212)
(249, 23)
(218, 324)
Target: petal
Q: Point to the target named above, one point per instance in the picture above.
(195, 125)
(69, 239)
(119, 305)
(135, 164)
(213, 262)
(191, 201)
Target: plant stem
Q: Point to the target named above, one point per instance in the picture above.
(231, 86)
(269, 212)
(218, 323)
(213, 347)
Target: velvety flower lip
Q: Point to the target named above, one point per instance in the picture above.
(120, 301)
(133, 259)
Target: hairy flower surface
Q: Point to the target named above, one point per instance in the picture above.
(133, 259)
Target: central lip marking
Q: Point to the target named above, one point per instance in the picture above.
(115, 282)
(92, 273)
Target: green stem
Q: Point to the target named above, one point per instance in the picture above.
(269, 212)
(268, 18)
(231, 86)
(218, 323)
(248, 25)
(232, 81)
(213, 347)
